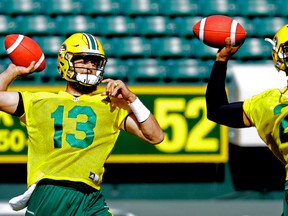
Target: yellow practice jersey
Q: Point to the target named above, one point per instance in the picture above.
(70, 138)
(268, 112)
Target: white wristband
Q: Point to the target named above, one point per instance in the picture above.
(139, 110)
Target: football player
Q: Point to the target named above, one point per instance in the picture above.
(72, 133)
(266, 111)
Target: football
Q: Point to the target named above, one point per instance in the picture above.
(22, 50)
(213, 30)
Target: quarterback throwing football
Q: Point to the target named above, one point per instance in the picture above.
(72, 133)
(267, 111)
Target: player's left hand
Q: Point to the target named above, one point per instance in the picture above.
(118, 89)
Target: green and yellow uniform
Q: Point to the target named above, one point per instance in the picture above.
(266, 108)
(70, 138)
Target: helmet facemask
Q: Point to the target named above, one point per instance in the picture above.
(87, 76)
(278, 54)
(280, 49)
(285, 56)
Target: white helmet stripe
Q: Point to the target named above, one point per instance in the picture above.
(201, 30)
(92, 43)
(233, 31)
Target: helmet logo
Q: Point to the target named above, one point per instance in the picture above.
(62, 48)
(67, 55)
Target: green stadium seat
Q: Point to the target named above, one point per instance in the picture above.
(7, 25)
(50, 44)
(183, 25)
(3, 52)
(50, 74)
(187, 71)
(101, 7)
(135, 47)
(3, 64)
(70, 24)
(178, 7)
(106, 44)
(254, 49)
(115, 69)
(5, 61)
(267, 27)
(114, 25)
(2, 7)
(31, 79)
(255, 8)
(211, 7)
(16, 7)
(153, 26)
(281, 8)
(61, 7)
(139, 7)
(35, 24)
(147, 71)
(170, 47)
(201, 51)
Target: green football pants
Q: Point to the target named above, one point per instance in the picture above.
(59, 200)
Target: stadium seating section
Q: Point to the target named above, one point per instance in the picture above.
(147, 41)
